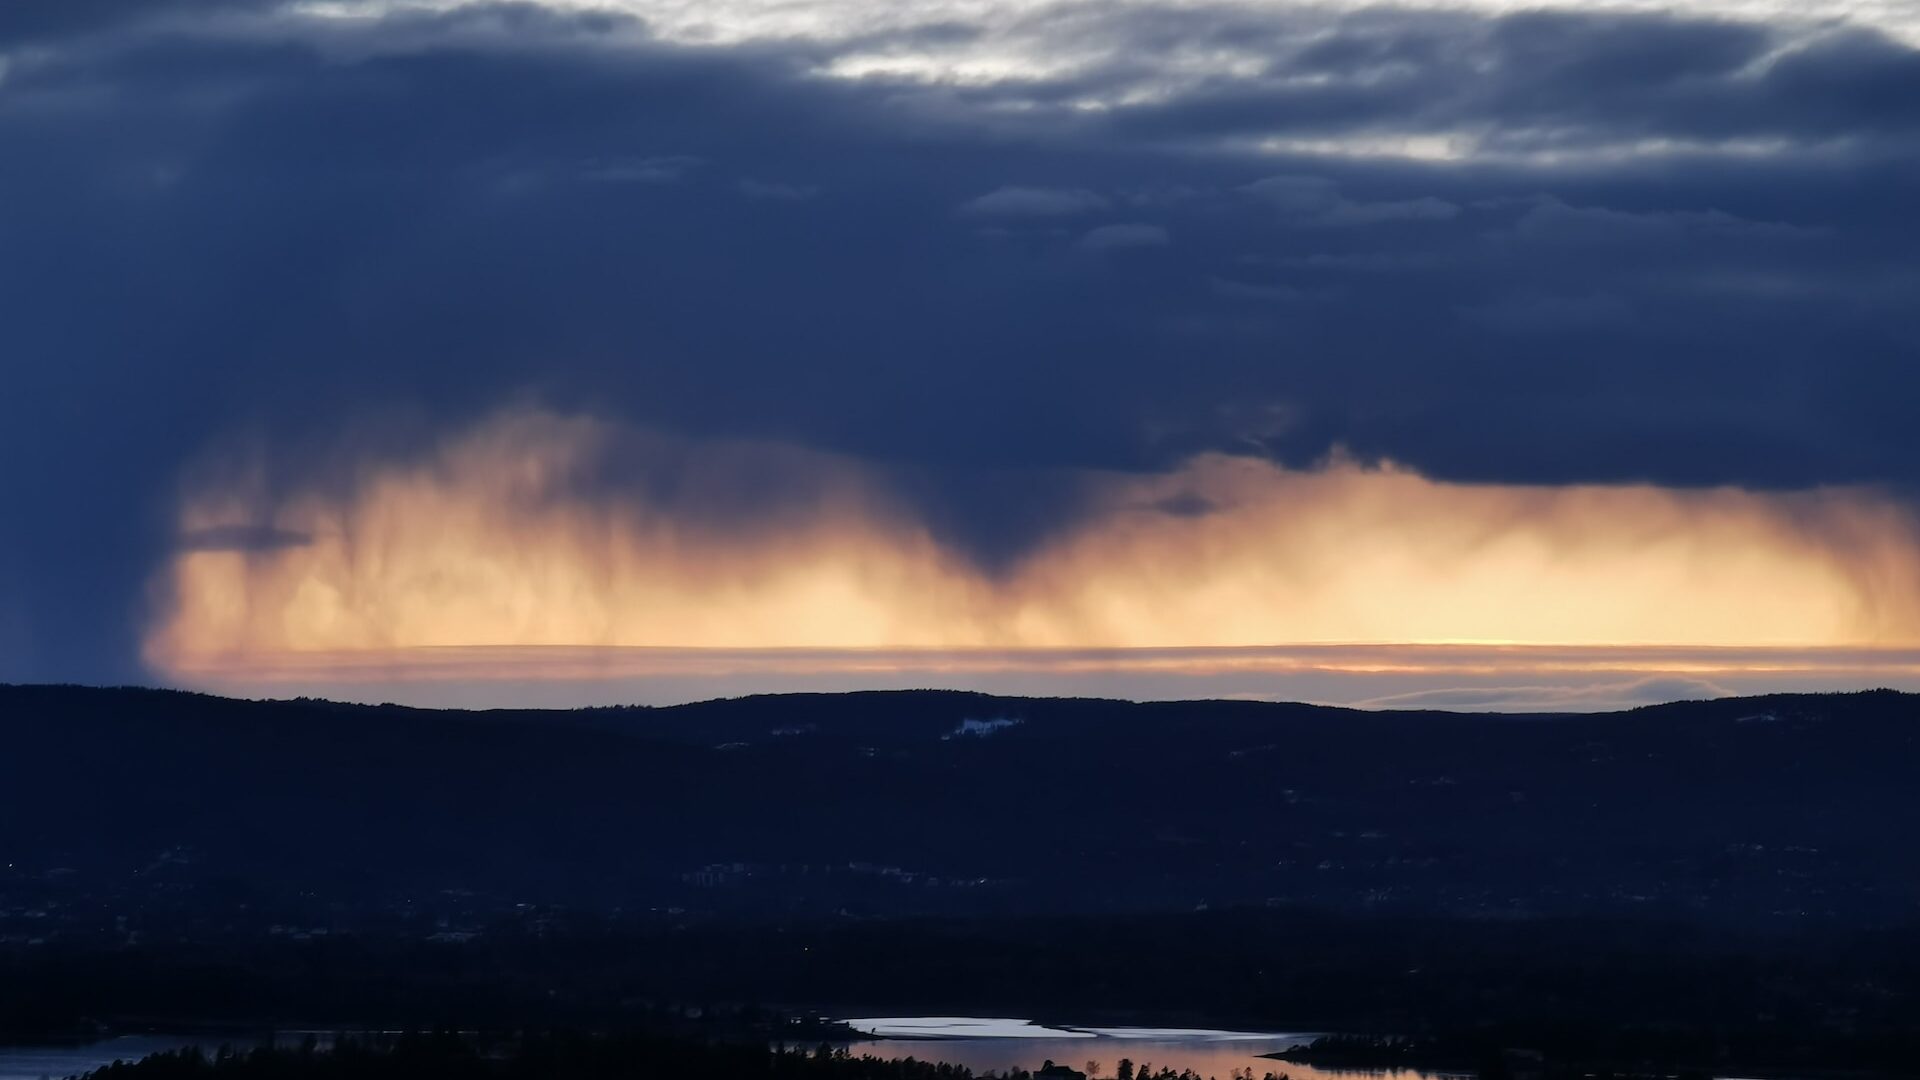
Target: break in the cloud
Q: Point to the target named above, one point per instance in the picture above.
(1562, 250)
(1587, 698)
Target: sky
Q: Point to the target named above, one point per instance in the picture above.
(1465, 353)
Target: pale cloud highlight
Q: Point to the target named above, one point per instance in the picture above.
(1007, 22)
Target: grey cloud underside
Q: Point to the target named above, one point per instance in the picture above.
(1681, 250)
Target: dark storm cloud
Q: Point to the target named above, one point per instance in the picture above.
(1678, 250)
(1187, 505)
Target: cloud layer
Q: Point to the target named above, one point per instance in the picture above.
(998, 273)
(536, 530)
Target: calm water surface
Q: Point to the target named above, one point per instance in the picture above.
(981, 1043)
(999, 1044)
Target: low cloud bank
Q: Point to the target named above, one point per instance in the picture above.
(536, 530)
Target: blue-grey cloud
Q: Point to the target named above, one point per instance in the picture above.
(1014, 201)
(1126, 234)
(1315, 201)
(775, 190)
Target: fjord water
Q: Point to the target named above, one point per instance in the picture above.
(982, 1044)
(994, 1044)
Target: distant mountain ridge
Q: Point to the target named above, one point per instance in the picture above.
(1767, 809)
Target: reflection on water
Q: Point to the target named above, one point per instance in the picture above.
(983, 1044)
(992, 1044)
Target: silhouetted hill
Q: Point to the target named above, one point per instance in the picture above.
(1756, 810)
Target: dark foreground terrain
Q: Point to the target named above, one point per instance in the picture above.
(124, 809)
(562, 1056)
(1726, 886)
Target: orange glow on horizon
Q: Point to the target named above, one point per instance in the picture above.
(511, 535)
